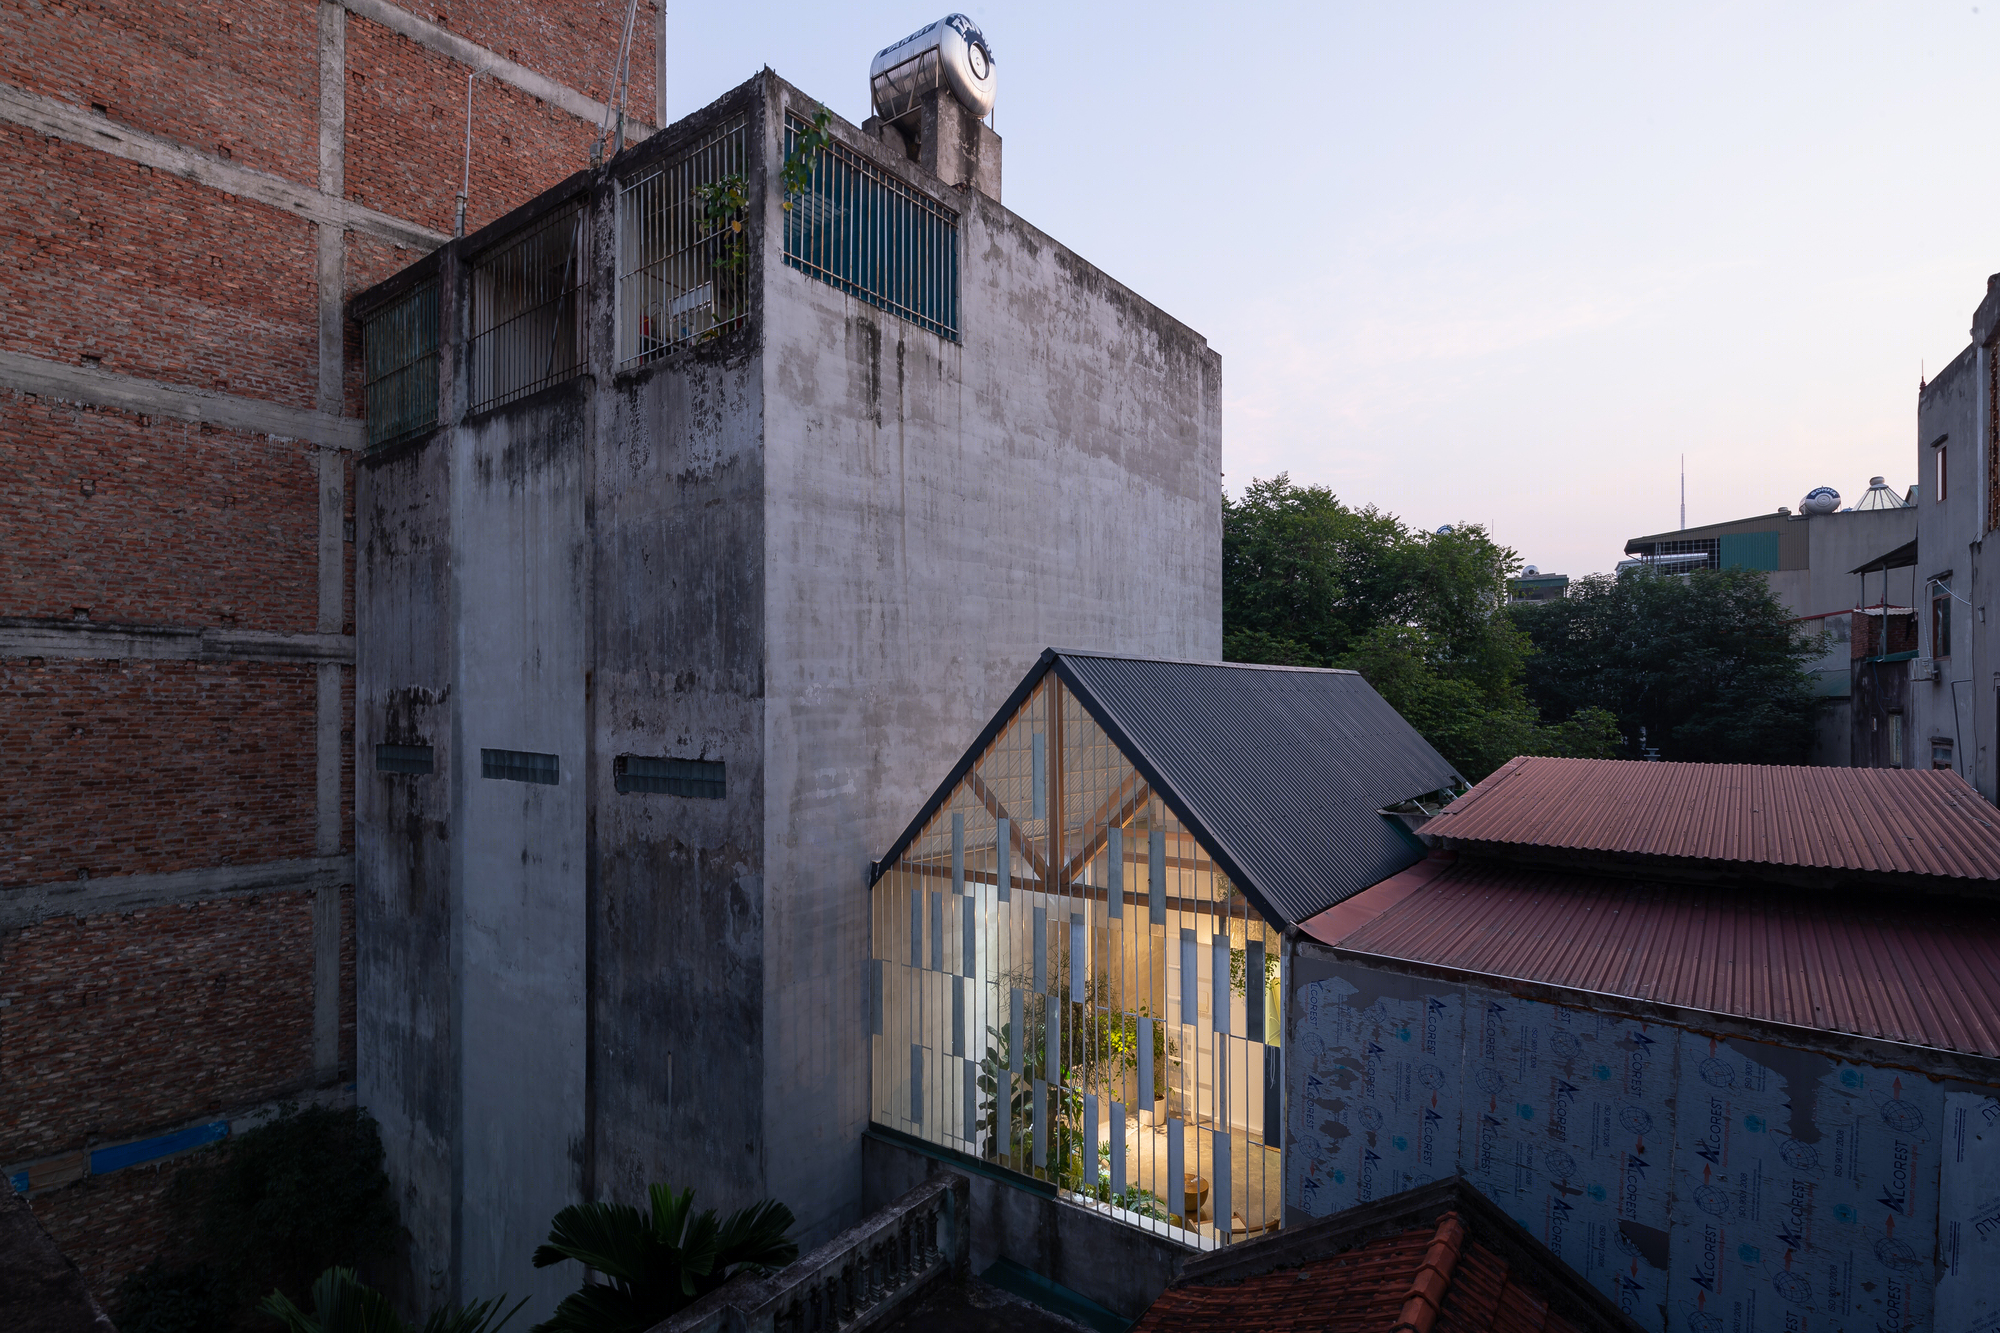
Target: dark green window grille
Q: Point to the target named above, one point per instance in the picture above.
(403, 759)
(857, 228)
(673, 777)
(400, 356)
(520, 766)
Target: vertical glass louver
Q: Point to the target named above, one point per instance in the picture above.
(1066, 985)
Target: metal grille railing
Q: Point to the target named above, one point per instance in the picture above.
(857, 228)
(527, 328)
(400, 368)
(683, 259)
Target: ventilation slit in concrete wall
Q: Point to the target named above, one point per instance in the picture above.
(674, 777)
(403, 759)
(520, 766)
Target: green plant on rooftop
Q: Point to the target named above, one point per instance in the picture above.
(722, 206)
(796, 175)
(657, 1261)
(343, 1303)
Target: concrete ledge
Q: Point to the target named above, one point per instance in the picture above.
(60, 120)
(1120, 1267)
(84, 639)
(478, 58)
(32, 903)
(104, 388)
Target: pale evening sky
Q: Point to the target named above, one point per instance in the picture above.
(1498, 263)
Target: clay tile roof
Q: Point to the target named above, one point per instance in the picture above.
(1435, 1259)
(1878, 820)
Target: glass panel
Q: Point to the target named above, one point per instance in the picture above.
(1105, 1057)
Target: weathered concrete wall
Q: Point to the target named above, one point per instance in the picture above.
(1120, 1267)
(679, 672)
(820, 550)
(938, 513)
(403, 844)
(1958, 705)
(522, 596)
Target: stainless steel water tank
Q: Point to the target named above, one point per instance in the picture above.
(951, 53)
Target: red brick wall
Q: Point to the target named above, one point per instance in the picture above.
(406, 135)
(573, 43)
(111, 1226)
(239, 80)
(118, 1026)
(156, 276)
(119, 768)
(150, 520)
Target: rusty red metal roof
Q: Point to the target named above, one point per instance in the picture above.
(1920, 972)
(1880, 820)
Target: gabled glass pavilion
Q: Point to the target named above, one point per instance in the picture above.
(1077, 943)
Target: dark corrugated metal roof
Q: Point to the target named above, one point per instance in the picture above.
(1877, 820)
(1281, 772)
(1922, 972)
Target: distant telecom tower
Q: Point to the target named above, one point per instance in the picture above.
(1684, 492)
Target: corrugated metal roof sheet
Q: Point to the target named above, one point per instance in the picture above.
(1882, 820)
(1280, 771)
(1922, 972)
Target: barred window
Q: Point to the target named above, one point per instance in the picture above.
(684, 250)
(399, 349)
(857, 228)
(527, 328)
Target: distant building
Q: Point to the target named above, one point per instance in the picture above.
(1810, 560)
(1954, 701)
(1533, 586)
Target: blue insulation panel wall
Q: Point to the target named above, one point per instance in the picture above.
(1707, 1184)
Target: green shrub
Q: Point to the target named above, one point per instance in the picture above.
(175, 1298)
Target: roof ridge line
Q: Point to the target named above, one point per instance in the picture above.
(1195, 661)
(1425, 1298)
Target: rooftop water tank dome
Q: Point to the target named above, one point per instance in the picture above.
(1530, 572)
(951, 53)
(1820, 500)
(1879, 496)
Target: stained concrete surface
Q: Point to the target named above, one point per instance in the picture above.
(973, 1306)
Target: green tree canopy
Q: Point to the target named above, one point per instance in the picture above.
(1711, 665)
(1309, 581)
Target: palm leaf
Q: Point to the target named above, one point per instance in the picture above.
(342, 1303)
(757, 1236)
(698, 1252)
(670, 1213)
(609, 1237)
(595, 1309)
(477, 1317)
